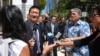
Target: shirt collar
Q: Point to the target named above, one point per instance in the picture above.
(77, 23)
(52, 24)
(33, 25)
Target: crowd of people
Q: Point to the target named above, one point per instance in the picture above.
(30, 37)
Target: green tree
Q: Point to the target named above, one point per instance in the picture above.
(42, 4)
(60, 8)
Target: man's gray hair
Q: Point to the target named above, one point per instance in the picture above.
(77, 10)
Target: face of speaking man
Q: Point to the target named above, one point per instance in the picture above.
(34, 15)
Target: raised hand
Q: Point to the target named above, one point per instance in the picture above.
(31, 43)
(48, 47)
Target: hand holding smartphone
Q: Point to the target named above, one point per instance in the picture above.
(50, 38)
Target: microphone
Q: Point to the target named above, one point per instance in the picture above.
(58, 35)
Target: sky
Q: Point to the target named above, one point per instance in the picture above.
(47, 7)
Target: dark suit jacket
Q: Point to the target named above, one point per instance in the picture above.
(48, 28)
(29, 29)
(30, 33)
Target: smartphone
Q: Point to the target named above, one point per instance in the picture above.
(57, 35)
(50, 38)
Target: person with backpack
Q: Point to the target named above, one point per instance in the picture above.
(14, 35)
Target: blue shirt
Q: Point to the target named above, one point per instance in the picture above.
(81, 28)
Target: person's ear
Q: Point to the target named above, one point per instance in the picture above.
(28, 17)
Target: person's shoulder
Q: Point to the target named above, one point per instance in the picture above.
(57, 24)
(17, 46)
(1, 40)
(27, 22)
(20, 43)
(84, 22)
(25, 51)
(47, 24)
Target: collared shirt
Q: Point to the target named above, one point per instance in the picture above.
(52, 27)
(81, 28)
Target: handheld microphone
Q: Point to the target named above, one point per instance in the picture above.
(58, 35)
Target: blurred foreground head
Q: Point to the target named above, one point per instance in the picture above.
(96, 17)
(12, 22)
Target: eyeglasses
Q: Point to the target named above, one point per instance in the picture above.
(94, 15)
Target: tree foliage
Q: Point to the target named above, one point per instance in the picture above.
(63, 7)
(60, 8)
(42, 4)
(6, 2)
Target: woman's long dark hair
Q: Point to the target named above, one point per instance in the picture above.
(97, 8)
(12, 23)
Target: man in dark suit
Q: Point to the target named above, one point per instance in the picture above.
(34, 31)
(52, 27)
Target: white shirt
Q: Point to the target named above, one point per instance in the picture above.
(52, 27)
(16, 47)
(38, 41)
